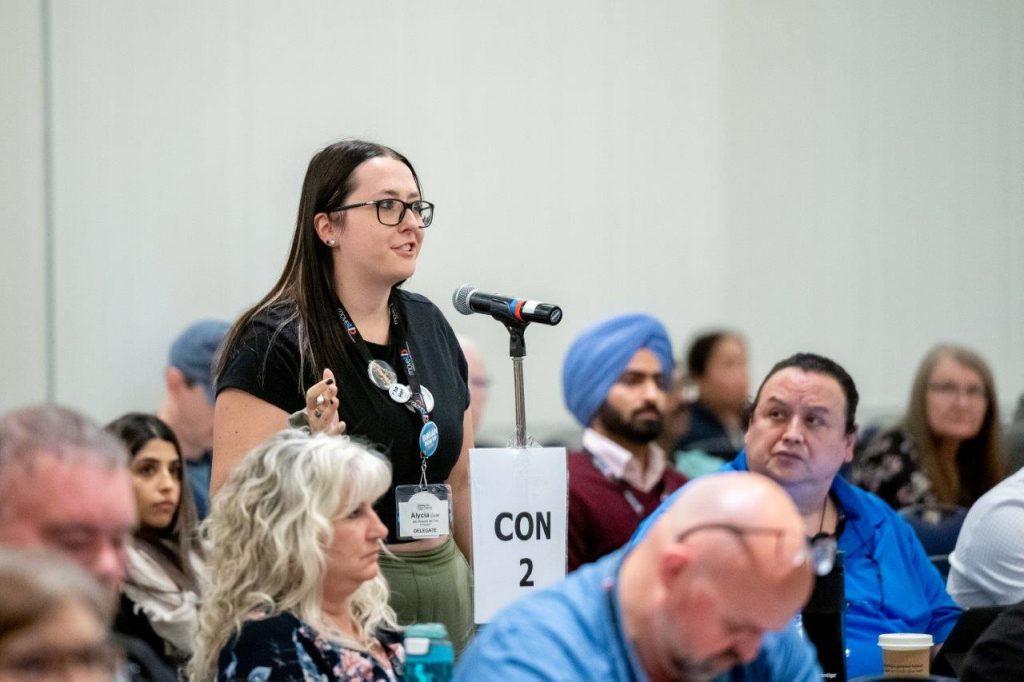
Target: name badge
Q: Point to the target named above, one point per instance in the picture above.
(424, 512)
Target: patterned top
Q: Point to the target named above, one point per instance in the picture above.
(282, 648)
(890, 467)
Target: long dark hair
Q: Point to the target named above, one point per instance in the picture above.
(305, 291)
(979, 460)
(169, 546)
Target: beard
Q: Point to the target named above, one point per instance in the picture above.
(637, 428)
(688, 670)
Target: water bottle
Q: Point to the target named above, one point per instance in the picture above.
(429, 656)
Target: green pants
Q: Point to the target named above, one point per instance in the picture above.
(432, 586)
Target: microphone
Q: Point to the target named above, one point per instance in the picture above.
(467, 299)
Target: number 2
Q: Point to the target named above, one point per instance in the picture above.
(526, 582)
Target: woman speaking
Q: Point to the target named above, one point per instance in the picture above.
(338, 337)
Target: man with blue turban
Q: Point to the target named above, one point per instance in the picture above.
(614, 382)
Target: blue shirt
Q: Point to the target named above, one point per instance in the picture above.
(573, 631)
(197, 472)
(891, 585)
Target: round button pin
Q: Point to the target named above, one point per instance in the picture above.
(429, 437)
(400, 393)
(381, 374)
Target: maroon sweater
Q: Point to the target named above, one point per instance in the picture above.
(601, 518)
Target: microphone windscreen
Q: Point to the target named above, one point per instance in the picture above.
(460, 298)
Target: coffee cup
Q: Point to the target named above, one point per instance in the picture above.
(906, 654)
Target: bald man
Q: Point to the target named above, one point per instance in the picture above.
(703, 596)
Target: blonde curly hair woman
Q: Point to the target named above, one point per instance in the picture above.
(296, 589)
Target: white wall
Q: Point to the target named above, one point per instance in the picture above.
(23, 295)
(828, 176)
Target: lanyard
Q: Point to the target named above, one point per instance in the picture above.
(383, 376)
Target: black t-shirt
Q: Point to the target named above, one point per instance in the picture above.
(265, 363)
(998, 655)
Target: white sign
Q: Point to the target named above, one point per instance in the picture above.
(520, 523)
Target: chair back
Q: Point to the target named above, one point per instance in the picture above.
(937, 526)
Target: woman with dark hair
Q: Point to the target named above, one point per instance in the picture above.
(340, 340)
(948, 448)
(717, 366)
(160, 596)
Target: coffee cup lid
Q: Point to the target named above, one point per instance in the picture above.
(904, 640)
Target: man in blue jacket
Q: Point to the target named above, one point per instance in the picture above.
(702, 597)
(802, 430)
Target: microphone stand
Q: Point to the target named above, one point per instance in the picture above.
(517, 351)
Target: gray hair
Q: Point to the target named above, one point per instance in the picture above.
(268, 531)
(59, 431)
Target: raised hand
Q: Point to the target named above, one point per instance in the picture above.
(322, 406)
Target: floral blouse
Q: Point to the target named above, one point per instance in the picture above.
(282, 648)
(890, 467)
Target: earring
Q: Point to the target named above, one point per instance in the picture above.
(329, 242)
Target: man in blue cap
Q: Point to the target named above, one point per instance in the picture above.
(614, 381)
(188, 403)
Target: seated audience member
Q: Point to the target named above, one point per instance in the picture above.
(703, 594)
(478, 380)
(717, 364)
(64, 486)
(676, 421)
(998, 655)
(159, 599)
(1014, 443)
(690, 463)
(188, 402)
(614, 380)
(948, 448)
(987, 566)
(802, 430)
(53, 620)
(296, 590)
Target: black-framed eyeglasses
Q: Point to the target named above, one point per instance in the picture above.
(391, 212)
(820, 550)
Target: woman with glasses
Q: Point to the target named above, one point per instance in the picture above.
(53, 621)
(340, 342)
(160, 596)
(948, 447)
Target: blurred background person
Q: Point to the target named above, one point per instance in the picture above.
(677, 411)
(160, 597)
(1015, 440)
(296, 591)
(340, 336)
(948, 447)
(53, 621)
(188, 401)
(716, 363)
(479, 382)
